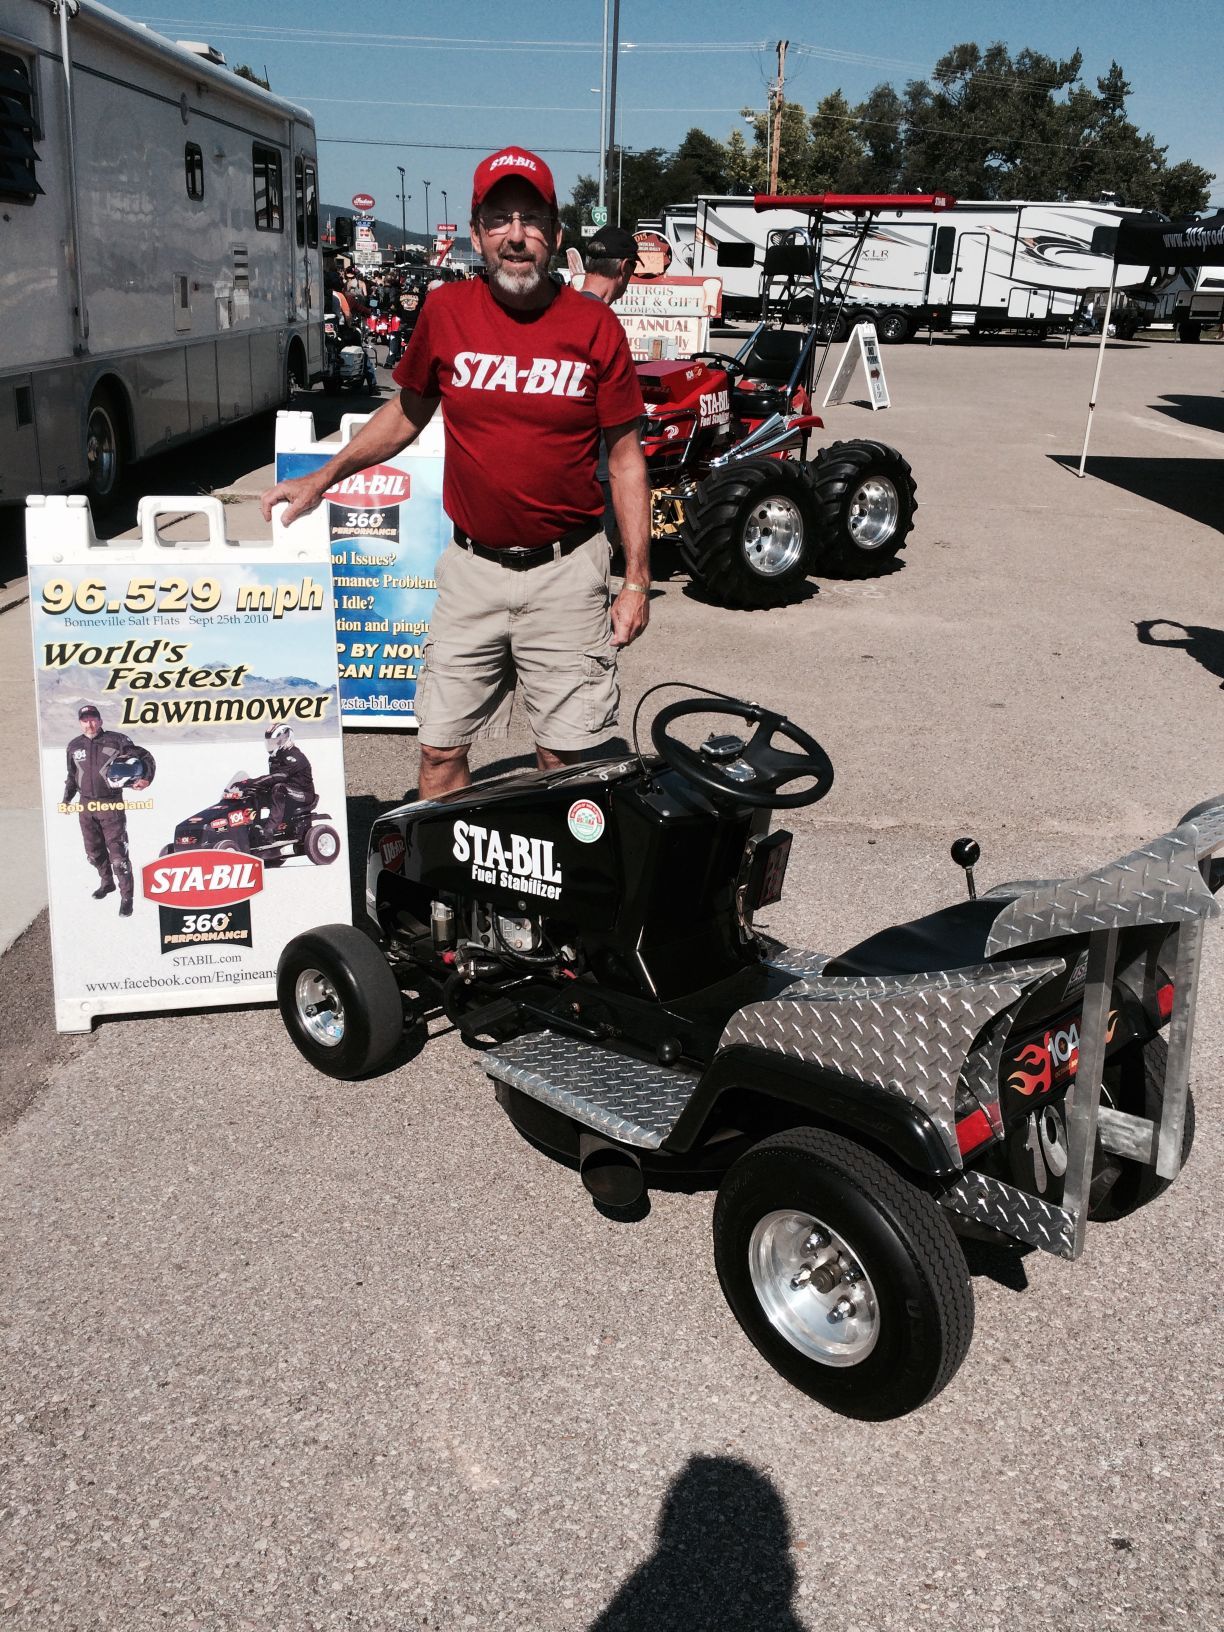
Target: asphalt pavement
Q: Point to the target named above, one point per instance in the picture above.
(282, 1352)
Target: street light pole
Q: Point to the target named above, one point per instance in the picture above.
(427, 218)
(603, 111)
(403, 210)
(444, 216)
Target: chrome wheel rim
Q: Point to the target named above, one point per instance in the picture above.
(319, 1008)
(101, 450)
(812, 1288)
(873, 513)
(773, 535)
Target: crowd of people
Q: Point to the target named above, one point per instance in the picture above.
(398, 294)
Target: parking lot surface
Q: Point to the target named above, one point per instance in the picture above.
(283, 1352)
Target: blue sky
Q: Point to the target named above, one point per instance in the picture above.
(478, 74)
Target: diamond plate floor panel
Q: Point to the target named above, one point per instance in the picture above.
(632, 1101)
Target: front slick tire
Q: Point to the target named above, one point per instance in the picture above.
(865, 498)
(906, 1314)
(339, 1001)
(747, 534)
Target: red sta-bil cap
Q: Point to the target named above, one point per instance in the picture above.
(516, 162)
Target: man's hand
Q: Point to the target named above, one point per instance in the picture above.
(630, 615)
(301, 493)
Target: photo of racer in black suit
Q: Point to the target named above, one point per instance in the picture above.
(100, 765)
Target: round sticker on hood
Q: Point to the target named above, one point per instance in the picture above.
(586, 821)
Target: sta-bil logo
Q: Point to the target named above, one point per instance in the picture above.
(511, 862)
(208, 878)
(375, 488)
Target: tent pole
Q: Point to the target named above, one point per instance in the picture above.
(1096, 379)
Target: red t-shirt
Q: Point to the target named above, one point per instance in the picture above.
(524, 398)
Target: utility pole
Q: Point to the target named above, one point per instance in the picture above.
(776, 91)
(403, 210)
(611, 147)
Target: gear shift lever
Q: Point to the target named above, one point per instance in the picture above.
(967, 853)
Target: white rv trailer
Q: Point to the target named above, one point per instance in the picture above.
(1199, 303)
(975, 266)
(161, 265)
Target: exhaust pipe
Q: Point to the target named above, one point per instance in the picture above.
(611, 1174)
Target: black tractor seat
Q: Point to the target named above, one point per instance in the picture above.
(948, 939)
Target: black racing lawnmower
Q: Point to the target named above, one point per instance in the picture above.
(1008, 1067)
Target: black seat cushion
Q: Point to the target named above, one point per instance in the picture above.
(760, 404)
(948, 939)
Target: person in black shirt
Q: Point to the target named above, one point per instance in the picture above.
(100, 765)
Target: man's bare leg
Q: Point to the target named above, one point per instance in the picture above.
(443, 770)
(552, 759)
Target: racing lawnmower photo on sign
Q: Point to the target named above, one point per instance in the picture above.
(727, 439)
(1008, 1067)
(274, 816)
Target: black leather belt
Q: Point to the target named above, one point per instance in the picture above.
(518, 560)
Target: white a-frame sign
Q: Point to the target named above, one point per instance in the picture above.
(864, 343)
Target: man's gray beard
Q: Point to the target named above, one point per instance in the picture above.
(509, 284)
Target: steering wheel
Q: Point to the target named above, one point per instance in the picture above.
(729, 365)
(752, 772)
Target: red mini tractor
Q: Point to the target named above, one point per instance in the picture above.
(726, 441)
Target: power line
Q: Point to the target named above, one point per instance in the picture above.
(450, 147)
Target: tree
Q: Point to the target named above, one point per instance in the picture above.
(244, 72)
(836, 159)
(699, 165)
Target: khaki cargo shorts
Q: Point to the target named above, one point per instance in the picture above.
(547, 629)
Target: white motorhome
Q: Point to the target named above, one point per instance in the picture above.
(976, 266)
(161, 271)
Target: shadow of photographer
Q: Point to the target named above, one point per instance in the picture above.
(722, 1558)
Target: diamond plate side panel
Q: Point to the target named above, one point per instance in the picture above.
(1157, 884)
(909, 1035)
(792, 961)
(632, 1101)
(1003, 1207)
(980, 1074)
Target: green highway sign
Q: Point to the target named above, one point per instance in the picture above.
(599, 215)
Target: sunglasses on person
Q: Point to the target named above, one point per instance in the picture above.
(498, 221)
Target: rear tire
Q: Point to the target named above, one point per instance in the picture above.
(864, 496)
(1134, 1082)
(893, 327)
(105, 449)
(748, 534)
(339, 1001)
(810, 1199)
(1190, 333)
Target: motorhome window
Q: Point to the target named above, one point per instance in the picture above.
(299, 199)
(269, 189)
(18, 130)
(193, 163)
(312, 207)
(945, 240)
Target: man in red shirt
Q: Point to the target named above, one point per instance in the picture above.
(529, 376)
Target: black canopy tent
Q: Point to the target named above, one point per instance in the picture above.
(1142, 240)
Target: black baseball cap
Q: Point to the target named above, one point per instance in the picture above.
(613, 244)
(87, 711)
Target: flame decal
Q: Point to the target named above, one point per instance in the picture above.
(1039, 1077)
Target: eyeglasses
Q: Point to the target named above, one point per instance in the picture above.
(498, 221)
